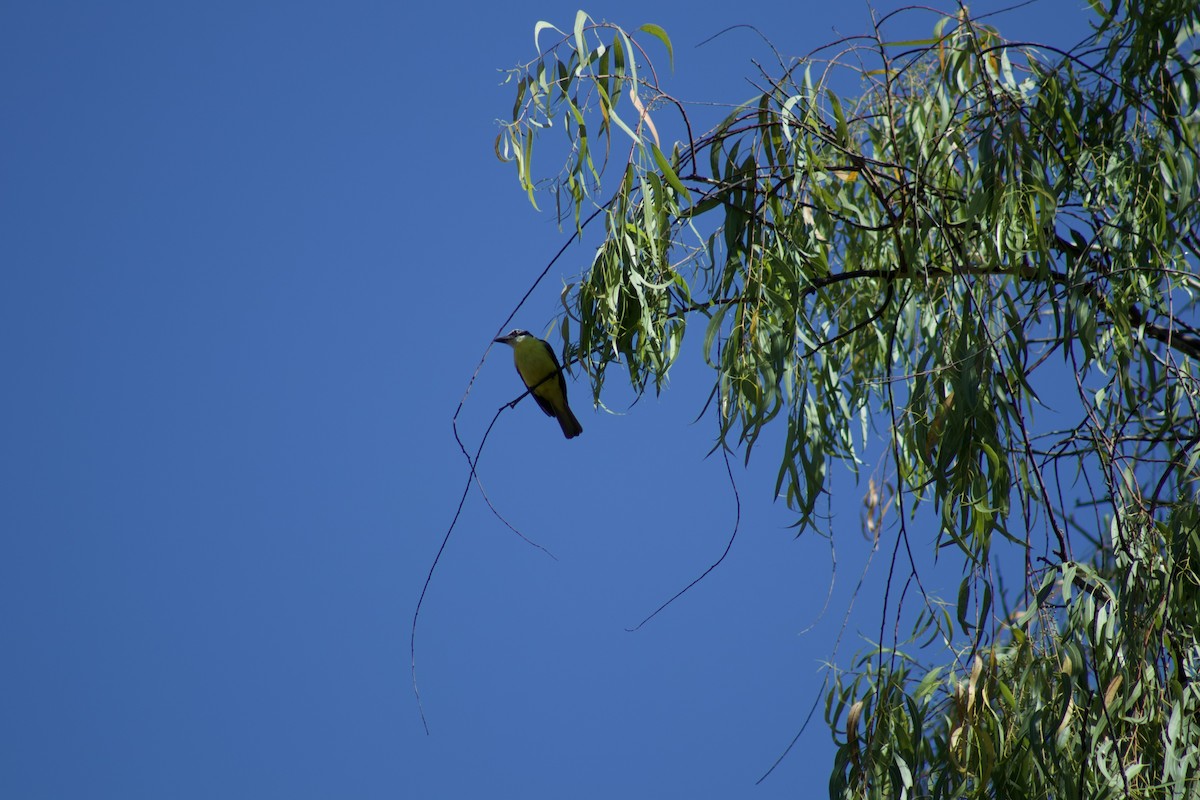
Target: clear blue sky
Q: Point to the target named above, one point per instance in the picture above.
(252, 254)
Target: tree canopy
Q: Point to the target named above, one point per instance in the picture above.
(947, 244)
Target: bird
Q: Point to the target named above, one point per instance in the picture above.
(539, 370)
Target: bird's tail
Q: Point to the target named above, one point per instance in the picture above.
(570, 426)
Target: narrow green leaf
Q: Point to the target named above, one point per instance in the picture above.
(906, 778)
(618, 72)
(540, 26)
(632, 57)
(661, 35)
(787, 118)
(620, 123)
(581, 18)
(668, 173)
(964, 597)
(839, 117)
(912, 42)
(985, 606)
(527, 164)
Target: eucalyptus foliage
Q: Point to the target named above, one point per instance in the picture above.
(934, 243)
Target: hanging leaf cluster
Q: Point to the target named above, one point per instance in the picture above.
(983, 254)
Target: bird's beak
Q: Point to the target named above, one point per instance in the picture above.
(502, 340)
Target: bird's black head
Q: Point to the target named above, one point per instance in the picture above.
(512, 336)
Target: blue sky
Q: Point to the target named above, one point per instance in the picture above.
(253, 253)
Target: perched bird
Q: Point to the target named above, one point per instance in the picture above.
(538, 367)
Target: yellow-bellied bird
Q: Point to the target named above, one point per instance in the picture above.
(538, 367)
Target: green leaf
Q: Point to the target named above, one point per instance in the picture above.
(906, 778)
(843, 133)
(581, 19)
(668, 173)
(913, 42)
(964, 597)
(537, 30)
(661, 35)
